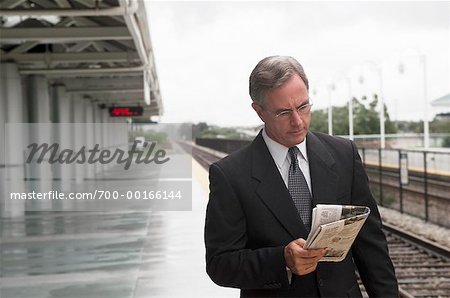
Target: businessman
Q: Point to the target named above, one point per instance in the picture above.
(261, 197)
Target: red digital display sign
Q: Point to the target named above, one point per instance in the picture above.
(126, 111)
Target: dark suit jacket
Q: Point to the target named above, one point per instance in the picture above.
(251, 217)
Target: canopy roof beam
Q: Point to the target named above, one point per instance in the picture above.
(81, 57)
(68, 34)
(69, 12)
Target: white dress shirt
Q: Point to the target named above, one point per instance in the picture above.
(283, 160)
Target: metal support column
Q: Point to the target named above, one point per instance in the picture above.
(11, 158)
(425, 183)
(60, 112)
(98, 134)
(89, 135)
(78, 137)
(38, 100)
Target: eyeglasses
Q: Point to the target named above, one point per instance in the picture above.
(285, 114)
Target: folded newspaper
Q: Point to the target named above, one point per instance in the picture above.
(335, 227)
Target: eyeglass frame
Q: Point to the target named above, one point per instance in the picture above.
(303, 109)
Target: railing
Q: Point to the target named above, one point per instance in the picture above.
(401, 140)
(416, 182)
(222, 145)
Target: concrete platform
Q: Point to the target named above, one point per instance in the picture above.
(109, 254)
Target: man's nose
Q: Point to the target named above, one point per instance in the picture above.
(296, 118)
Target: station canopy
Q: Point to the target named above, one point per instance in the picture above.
(99, 49)
(443, 101)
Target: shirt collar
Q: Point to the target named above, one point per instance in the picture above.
(302, 148)
(279, 152)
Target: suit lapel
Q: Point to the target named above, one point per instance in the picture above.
(323, 178)
(271, 189)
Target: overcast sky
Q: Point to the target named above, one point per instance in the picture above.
(205, 51)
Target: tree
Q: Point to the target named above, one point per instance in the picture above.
(440, 126)
(340, 120)
(410, 126)
(389, 125)
(198, 129)
(365, 118)
(319, 121)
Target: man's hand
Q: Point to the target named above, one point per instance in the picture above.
(302, 261)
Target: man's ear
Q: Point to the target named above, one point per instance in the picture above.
(258, 109)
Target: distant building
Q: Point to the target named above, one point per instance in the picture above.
(443, 103)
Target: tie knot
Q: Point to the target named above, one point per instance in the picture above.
(293, 152)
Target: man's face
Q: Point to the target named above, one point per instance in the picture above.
(289, 129)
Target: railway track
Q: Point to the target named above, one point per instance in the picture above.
(204, 156)
(422, 267)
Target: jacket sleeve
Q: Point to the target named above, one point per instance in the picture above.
(370, 251)
(228, 260)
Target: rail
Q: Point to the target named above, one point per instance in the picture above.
(422, 267)
(411, 181)
(414, 182)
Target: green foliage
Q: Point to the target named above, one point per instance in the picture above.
(365, 121)
(446, 142)
(203, 130)
(186, 131)
(410, 126)
(221, 132)
(440, 126)
(150, 136)
(436, 126)
(389, 125)
(340, 120)
(365, 118)
(198, 129)
(319, 121)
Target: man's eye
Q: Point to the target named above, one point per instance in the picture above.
(284, 113)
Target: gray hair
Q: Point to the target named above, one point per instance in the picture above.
(272, 72)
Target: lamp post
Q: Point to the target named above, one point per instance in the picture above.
(381, 99)
(329, 109)
(350, 105)
(350, 109)
(426, 125)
